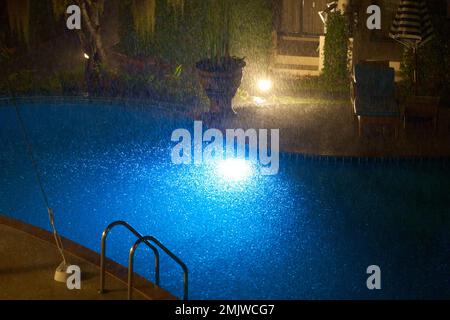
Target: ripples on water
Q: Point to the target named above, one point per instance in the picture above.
(308, 232)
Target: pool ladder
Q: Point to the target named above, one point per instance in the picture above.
(152, 243)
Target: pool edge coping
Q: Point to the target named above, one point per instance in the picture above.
(143, 286)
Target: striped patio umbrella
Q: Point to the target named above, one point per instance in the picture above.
(412, 27)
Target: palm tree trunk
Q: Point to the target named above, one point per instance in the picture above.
(91, 20)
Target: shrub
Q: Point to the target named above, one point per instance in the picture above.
(182, 40)
(433, 63)
(28, 82)
(72, 82)
(335, 68)
(251, 37)
(31, 82)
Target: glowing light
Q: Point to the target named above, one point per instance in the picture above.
(259, 100)
(86, 56)
(264, 85)
(234, 169)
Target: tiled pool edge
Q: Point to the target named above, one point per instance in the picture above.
(126, 102)
(347, 159)
(142, 285)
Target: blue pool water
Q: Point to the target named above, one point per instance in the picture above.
(309, 232)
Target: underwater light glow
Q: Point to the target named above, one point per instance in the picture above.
(234, 169)
(85, 55)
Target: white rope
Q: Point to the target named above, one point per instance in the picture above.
(51, 216)
(57, 237)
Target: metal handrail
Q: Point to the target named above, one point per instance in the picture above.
(103, 251)
(167, 251)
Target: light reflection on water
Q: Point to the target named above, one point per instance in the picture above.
(308, 232)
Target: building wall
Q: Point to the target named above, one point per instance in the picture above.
(374, 44)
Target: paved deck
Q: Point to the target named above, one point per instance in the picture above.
(332, 130)
(28, 262)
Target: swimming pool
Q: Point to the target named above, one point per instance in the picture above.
(308, 232)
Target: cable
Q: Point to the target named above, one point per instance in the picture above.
(51, 217)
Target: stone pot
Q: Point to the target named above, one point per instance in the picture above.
(220, 80)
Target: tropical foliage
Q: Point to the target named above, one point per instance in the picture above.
(19, 18)
(170, 36)
(214, 28)
(433, 63)
(335, 69)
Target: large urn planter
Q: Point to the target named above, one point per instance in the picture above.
(220, 80)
